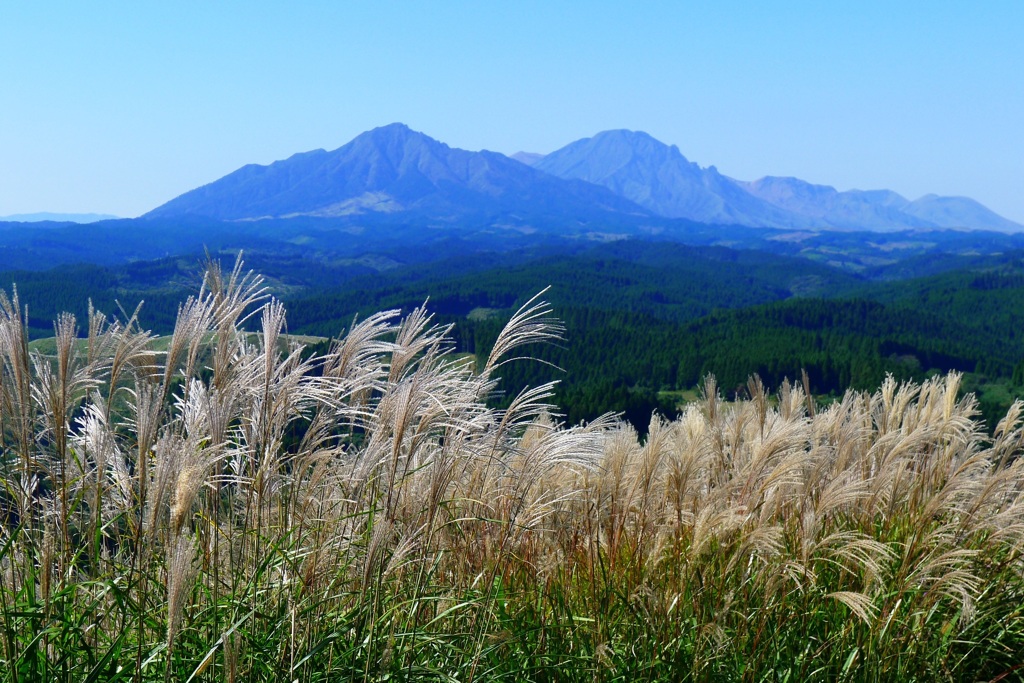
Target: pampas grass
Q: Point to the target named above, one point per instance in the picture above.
(231, 509)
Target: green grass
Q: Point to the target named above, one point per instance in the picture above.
(226, 508)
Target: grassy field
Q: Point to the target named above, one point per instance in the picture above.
(47, 346)
(222, 507)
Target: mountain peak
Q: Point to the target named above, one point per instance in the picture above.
(627, 134)
(394, 126)
(394, 134)
(618, 159)
(394, 169)
(656, 176)
(391, 130)
(637, 141)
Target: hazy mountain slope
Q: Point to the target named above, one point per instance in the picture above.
(57, 217)
(394, 170)
(659, 178)
(959, 212)
(855, 209)
(875, 209)
(616, 177)
(528, 158)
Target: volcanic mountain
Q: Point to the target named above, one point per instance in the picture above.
(618, 179)
(393, 170)
(875, 209)
(659, 178)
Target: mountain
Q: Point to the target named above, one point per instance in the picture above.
(959, 212)
(57, 217)
(876, 209)
(852, 210)
(659, 178)
(616, 182)
(395, 170)
(528, 158)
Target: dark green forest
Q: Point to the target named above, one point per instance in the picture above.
(644, 321)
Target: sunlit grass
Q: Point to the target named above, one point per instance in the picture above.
(221, 507)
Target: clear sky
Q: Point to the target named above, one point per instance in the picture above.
(116, 107)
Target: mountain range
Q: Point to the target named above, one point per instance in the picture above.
(659, 178)
(394, 170)
(57, 217)
(615, 178)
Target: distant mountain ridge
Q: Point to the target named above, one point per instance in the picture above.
(616, 178)
(658, 177)
(394, 169)
(528, 158)
(875, 209)
(57, 217)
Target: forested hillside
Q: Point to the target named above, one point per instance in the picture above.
(644, 324)
(241, 509)
(645, 321)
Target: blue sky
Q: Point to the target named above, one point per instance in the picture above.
(120, 106)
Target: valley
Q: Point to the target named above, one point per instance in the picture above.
(644, 319)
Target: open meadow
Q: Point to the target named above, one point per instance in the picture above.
(229, 508)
